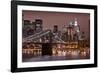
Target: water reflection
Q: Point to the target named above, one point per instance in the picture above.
(59, 52)
(36, 55)
(70, 52)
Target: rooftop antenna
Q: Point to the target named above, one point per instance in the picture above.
(76, 24)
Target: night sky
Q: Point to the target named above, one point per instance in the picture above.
(59, 18)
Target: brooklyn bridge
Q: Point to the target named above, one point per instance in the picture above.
(40, 44)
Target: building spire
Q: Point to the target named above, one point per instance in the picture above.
(75, 22)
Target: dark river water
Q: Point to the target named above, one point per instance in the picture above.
(71, 56)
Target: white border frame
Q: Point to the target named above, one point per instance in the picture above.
(53, 63)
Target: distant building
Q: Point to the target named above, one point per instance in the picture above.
(26, 22)
(70, 31)
(77, 28)
(55, 28)
(56, 35)
(28, 28)
(64, 34)
(31, 28)
(73, 31)
(38, 25)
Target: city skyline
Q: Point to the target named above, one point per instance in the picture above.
(62, 36)
(59, 18)
(34, 31)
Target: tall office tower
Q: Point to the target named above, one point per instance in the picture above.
(83, 35)
(26, 22)
(26, 27)
(64, 29)
(75, 38)
(56, 34)
(38, 25)
(70, 31)
(33, 27)
(77, 28)
(55, 29)
(64, 34)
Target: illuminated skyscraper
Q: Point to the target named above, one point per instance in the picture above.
(70, 31)
(64, 33)
(77, 28)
